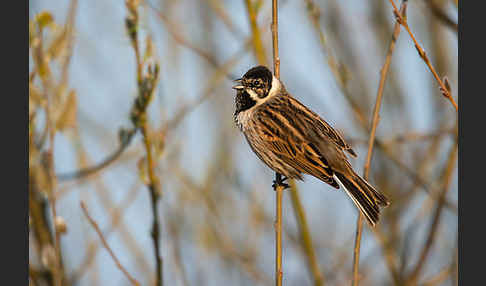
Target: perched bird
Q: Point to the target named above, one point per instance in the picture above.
(293, 140)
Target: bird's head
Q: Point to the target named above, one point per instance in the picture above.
(257, 82)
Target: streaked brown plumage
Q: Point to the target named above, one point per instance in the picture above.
(293, 140)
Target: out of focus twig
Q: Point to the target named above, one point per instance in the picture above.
(444, 87)
(441, 15)
(374, 124)
(146, 82)
(107, 247)
(126, 137)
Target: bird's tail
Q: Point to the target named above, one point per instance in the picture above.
(365, 197)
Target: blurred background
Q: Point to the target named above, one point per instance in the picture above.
(131, 113)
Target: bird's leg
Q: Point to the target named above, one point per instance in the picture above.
(279, 182)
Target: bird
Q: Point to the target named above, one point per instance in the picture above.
(294, 141)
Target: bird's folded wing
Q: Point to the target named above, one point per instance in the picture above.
(302, 156)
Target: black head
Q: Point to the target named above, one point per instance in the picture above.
(258, 79)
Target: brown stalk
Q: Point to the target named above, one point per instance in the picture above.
(443, 87)
(116, 221)
(374, 124)
(146, 85)
(278, 186)
(107, 247)
(154, 198)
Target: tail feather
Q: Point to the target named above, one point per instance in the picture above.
(364, 196)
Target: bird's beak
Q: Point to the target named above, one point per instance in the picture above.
(239, 86)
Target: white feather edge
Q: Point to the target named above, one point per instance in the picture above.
(354, 200)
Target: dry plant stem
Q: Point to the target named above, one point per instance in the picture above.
(357, 248)
(305, 235)
(98, 167)
(139, 118)
(374, 124)
(278, 185)
(107, 247)
(403, 21)
(57, 271)
(154, 198)
(276, 59)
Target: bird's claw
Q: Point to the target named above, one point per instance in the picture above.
(280, 183)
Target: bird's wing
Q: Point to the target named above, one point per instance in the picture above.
(280, 136)
(314, 120)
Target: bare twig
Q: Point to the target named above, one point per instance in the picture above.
(444, 88)
(146, 86)
(116, 221)
(154, 198)
(356, 251)
(107, 247)
(278, 187)
(374, 124)
(125, 140)
(278, 184)
(276, 59)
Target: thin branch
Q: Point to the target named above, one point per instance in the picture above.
(125, 141)
(155, 193)
(278, 186)
(374, 124)
(107, 247)
(115, 220)
(276, 59)
(357, 248)
(147, 83)
(444, 87)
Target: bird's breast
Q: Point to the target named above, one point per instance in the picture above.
(243, 119)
